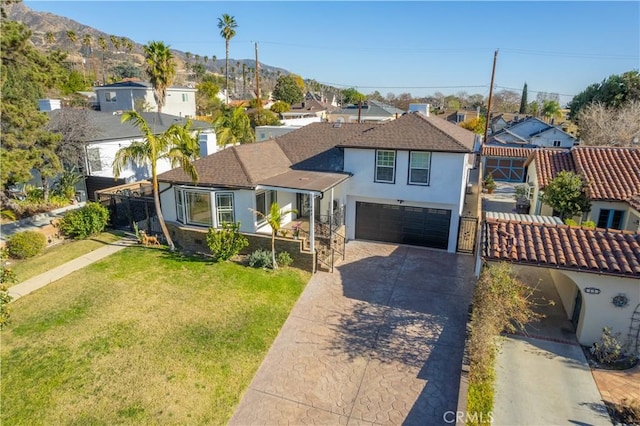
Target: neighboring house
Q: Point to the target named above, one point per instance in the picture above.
(309, 107)
(109, 134)
(505, 163)
(403, 181)
(612, 175)
(532, 132)
(371, 111)
(122, 96)
(596, 272)
(461, 115)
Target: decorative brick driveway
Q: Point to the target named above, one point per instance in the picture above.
(378, 341)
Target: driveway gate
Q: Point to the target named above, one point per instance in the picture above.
(467, 234)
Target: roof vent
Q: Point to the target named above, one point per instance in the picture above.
(337, 125)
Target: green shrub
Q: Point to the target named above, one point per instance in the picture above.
(284, 258)
(7, 276)
(570, 222)
(226, 242)
(610, 348)
(589, 224)
(26, 244)
(260, 259)
(85, 222)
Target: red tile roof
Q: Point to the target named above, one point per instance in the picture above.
(561, 246)
(506, 151)
(612, 173)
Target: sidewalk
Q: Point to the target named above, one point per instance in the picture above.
(39, 281)
(35, 222)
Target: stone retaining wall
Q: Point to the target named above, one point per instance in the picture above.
(195, 240)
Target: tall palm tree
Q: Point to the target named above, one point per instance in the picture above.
(274, 219)
(233, 127)
(49, 38)
(196, 58)
(115, 41)
(87, 41)
(227, 25)
(161, 68)
(72, 36)
(157, 147)
(102, 42)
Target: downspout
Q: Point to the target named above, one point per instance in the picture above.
(312, 223)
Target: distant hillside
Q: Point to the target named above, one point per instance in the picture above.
(41, 23)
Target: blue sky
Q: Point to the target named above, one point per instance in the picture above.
(419, 47)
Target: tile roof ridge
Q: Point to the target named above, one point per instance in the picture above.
(242, 166)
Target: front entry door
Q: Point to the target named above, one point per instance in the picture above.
(577, 307)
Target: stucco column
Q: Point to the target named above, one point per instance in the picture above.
(331, 212)
(312, 222)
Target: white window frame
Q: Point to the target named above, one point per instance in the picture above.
(225, 209)
(180, 205)
(412, 167)
(557, 144)
(110, 96)
(187, 218)
(385, 166)
(270, 196)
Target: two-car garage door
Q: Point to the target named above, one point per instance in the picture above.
(403, 224)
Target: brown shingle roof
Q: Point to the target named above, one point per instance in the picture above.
(506, 151)
(237, 166)
(612, 173)
(414, 131)
(562, 246)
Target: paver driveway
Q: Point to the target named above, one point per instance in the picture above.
(380, 340)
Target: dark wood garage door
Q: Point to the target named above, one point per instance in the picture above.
(403, 224)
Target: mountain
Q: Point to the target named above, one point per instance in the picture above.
(41, 23)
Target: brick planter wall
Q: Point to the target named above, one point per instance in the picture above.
(194, 240)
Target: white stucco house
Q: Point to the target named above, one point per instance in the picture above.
(613, 182)
(403, 181)
(108, 134)
(122, 96)
(532, 131)
(596, 272)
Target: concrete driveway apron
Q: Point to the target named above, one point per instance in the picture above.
(380, 341)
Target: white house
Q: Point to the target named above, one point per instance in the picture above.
(122, 96)
(371, 111)
(532, 132)
(109, 134)
(403, 181)
(613, 182)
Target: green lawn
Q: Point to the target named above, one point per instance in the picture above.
(142, 337)
(59, 254)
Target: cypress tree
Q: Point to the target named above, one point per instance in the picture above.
(523, 101)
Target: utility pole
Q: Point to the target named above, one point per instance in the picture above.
(493, 74)
(258, 79)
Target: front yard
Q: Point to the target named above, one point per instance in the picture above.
(142, 337)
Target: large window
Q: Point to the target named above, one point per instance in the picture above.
(110, 96)
(263, 202)
(419, 167)
(385, 166)
(224, 207)
(95, 163)
(198, 208)
(610, 218)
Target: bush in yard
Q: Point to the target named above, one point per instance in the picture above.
(85, 222)
(260, 259)
(609, 349)
(26, 244)
(226, 242)
(284, 258)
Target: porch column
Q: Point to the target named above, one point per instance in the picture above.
(312, 222)
(331, 211)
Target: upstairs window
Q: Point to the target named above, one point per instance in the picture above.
(610, 218)
(419, 167)
(385, 166)
(557, 143)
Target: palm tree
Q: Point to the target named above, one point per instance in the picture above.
(102, 42)
(233, 127)
(274, 219)
(153, 148)
(551, 109)
(161, 68)
(71, 35)
(87, 41)
(115, 41)
(227, 25)
(205, 59)
(196, 57)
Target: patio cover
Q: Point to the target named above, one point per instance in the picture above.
(304, 180)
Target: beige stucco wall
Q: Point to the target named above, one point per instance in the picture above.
(598, 310)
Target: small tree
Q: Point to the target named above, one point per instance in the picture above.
(567, 194)
(287, 90)
(274, 219)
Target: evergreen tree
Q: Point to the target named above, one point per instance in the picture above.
(523, 100)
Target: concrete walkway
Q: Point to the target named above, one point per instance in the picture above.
(19, 290)
(379, 341)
